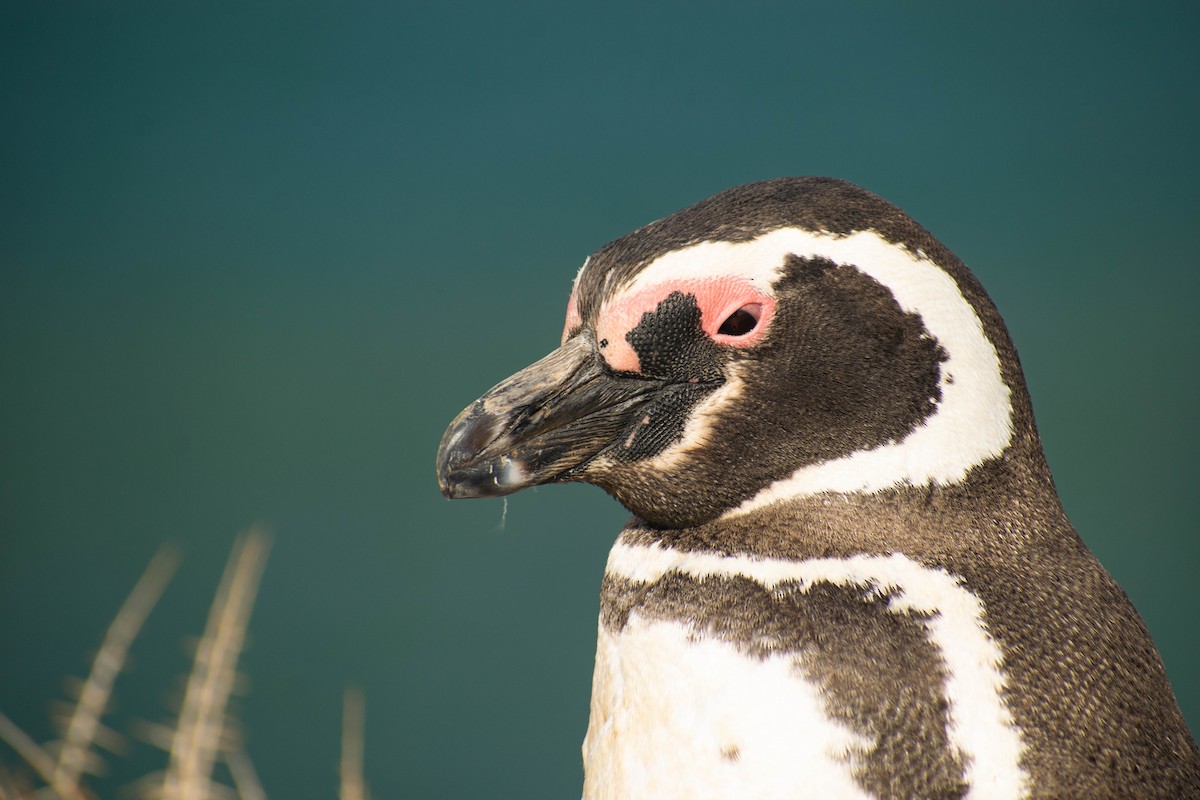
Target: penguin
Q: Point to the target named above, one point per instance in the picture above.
(848, 573)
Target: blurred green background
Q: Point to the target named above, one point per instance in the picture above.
(254, 257)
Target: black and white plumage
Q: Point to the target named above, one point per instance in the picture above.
(848, 573)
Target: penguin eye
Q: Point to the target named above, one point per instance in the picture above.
(742, 321)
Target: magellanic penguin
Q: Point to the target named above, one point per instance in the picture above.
(848, 573)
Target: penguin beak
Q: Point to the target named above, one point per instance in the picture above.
(542, 425)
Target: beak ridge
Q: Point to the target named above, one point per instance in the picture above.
(543, 424)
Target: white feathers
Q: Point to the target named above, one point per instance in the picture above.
(760, 261)
(676, 718)
(980, 725)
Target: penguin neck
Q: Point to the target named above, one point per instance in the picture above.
(1002, 508)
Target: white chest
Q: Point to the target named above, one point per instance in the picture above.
(681, 714)
(678, 717)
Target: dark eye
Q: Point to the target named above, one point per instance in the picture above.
(740, 322)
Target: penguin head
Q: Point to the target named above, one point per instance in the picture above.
(780, 339)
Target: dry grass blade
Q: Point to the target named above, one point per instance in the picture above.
(245, 779)
(84, 724)
(198, 734)
(353, 715)
(33, 755)
(16, 786)
(8, 789)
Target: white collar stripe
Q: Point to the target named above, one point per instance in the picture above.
(980, 724)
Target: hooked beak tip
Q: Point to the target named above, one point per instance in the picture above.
(463, 468)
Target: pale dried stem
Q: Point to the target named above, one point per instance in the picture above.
(13, 789)
(198, 734)
(84, 724)
(34, 756)
(245, 778)
(353, 715)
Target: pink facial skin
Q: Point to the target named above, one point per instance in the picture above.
(718, 298)
(573, 318)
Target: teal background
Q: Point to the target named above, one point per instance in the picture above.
(255, 257)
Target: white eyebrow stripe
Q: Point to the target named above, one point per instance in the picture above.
(973, 420)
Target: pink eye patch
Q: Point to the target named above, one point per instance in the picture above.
(733, 313)
(573, 318)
